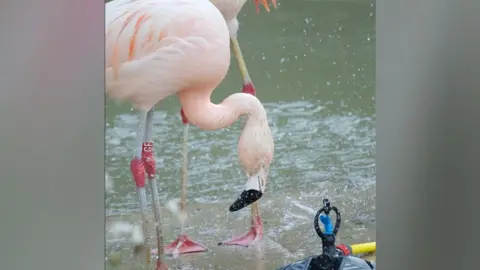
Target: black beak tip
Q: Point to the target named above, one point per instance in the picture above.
(245, 199)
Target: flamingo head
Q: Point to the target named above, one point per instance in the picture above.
(265, 5)
(254, 189)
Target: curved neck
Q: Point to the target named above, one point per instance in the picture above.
(206, 115)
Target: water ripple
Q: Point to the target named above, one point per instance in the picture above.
(312, 146)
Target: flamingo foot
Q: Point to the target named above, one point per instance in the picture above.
(249, 88)
(161, 265)
(182, 245)
(250, 238)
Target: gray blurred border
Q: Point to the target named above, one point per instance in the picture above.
(52, 135)
(428, 111)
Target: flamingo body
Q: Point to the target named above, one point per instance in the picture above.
(156, 48)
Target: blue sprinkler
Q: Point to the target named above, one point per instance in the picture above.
(330, 230)
(327, 224)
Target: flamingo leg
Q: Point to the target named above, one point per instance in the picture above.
(137, 169)
(149, 164)
(183, 244)
(248, 86)
(255, 233)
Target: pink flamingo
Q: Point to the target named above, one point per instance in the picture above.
(159, 48)
(229, 10)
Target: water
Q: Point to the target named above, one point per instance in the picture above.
(313, 64)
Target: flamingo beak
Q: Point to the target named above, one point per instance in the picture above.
(265, 5)
(254, 189)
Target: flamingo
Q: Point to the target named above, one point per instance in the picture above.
(159, 48)
(229, 10)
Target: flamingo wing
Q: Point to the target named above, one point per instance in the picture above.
(156, 48)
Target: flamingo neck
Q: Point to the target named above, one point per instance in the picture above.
(206, 115)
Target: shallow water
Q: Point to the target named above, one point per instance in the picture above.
(288, 224)
(313, 65)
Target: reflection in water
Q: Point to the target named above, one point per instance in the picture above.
(313, 65)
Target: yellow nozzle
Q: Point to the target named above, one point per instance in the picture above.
(364, 248)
